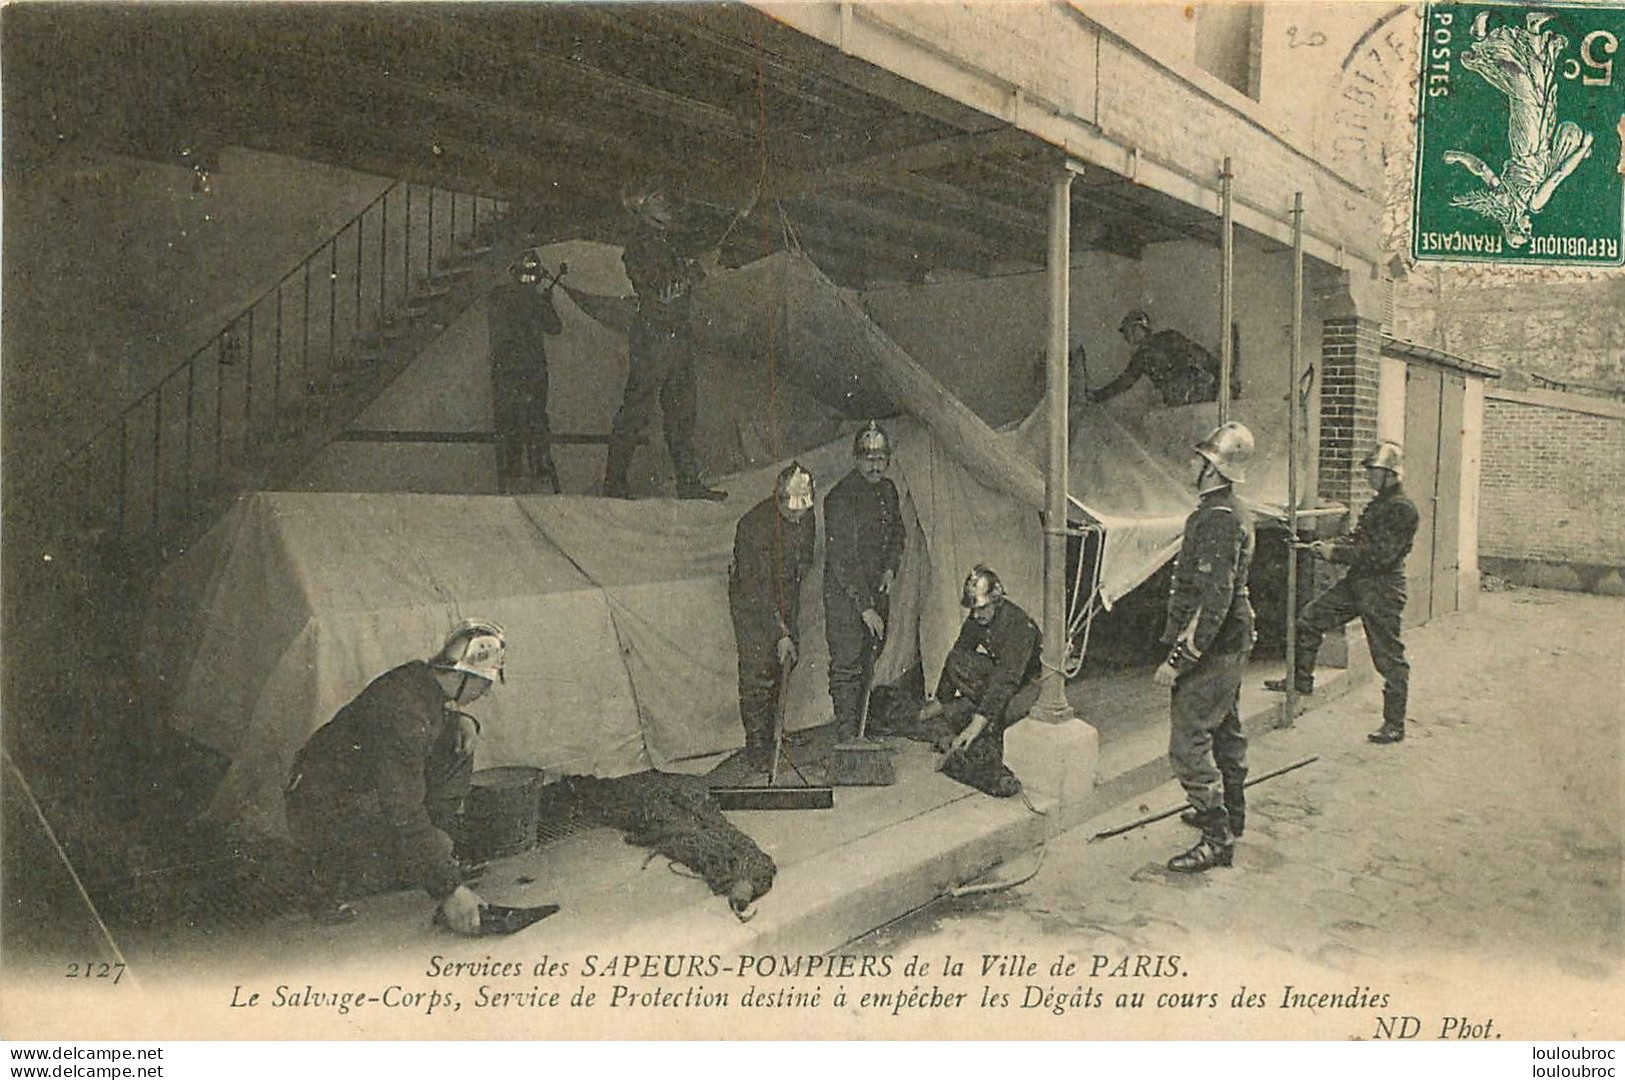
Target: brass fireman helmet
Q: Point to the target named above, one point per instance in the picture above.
(474, 647)
(1228, 450)
(981, 587)
(1386, 455)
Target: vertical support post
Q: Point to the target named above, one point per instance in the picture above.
(1294, 365)
(1227, 269)
(191, 413)
(1052, 705)
(123, 471)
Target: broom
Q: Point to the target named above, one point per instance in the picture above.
(862, 762)
(772, 796)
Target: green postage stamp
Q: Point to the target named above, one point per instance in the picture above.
(1518, 139)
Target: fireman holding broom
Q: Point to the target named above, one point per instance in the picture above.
(863, 546)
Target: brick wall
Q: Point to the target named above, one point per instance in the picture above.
(1350, 371)
(1553, 487)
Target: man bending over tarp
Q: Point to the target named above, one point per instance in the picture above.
(1183, 372)
(996, 658)
(773, 550)
(374, 791)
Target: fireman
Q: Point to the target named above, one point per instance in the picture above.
(1210, 634)
(863, 545)
(986, 685)
(662, 262)
(773, 551)
(1183, 372)
(375, 791)
(1373, 589)
(520, 320)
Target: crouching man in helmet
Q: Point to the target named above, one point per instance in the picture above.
(985, 685)
(375, 790)
(1210, 634)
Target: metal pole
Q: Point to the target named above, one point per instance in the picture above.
(1227, 269)
(1294, 364)
(1052, 705)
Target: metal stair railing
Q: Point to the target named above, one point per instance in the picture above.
(162, 469)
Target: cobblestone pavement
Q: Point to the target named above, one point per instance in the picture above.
(1474, 867)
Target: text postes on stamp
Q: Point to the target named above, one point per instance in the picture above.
(1518, 138)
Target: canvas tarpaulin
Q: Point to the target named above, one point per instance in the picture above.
(621, 650)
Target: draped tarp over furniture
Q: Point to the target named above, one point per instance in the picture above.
(621, 650)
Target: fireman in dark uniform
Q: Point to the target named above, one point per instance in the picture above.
(520, 320)
(1210, 634)
(662, 262)
(374, 792)
(1183, 372)
(1373, 589)
(863, 545)
(996, 658)
(773, 551)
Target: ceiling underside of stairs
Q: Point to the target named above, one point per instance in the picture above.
(557, 107)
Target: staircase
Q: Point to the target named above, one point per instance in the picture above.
(250, 407)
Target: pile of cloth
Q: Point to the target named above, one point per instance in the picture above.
(673, 816)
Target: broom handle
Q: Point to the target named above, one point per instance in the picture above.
(778, 723)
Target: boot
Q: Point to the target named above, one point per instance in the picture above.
(1204, 856)
(1388, 733)
(1305, 686)
(1238, 819)
(615, 471)
(1216, 848)
(698, 489)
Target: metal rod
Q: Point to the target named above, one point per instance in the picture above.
(453, 226)
(474, 220)
(1227, 260)
(1153, 818)
(248, 394)
(220, 404)
(360, 227)
(157, 456)
(251, 356)
(1052, 705)
(430, 255)
(191, 400)
(332, 302)
(304, 330)
(383, 260)
(406, 260)
(276, 379)
(1294, 365)
(123, 466)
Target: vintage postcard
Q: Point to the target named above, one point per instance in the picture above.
(1005, 520)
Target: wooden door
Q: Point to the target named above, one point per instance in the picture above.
(1422, 396)
(1447, 497)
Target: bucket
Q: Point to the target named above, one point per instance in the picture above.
(500, 814)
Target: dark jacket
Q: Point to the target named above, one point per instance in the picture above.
(1381, 538)
(1210, 577)
(1009, 650)
(520, 320)
(380, 743)
(657, 260)
(770, 561)
(863, 538)
(1181, 370)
